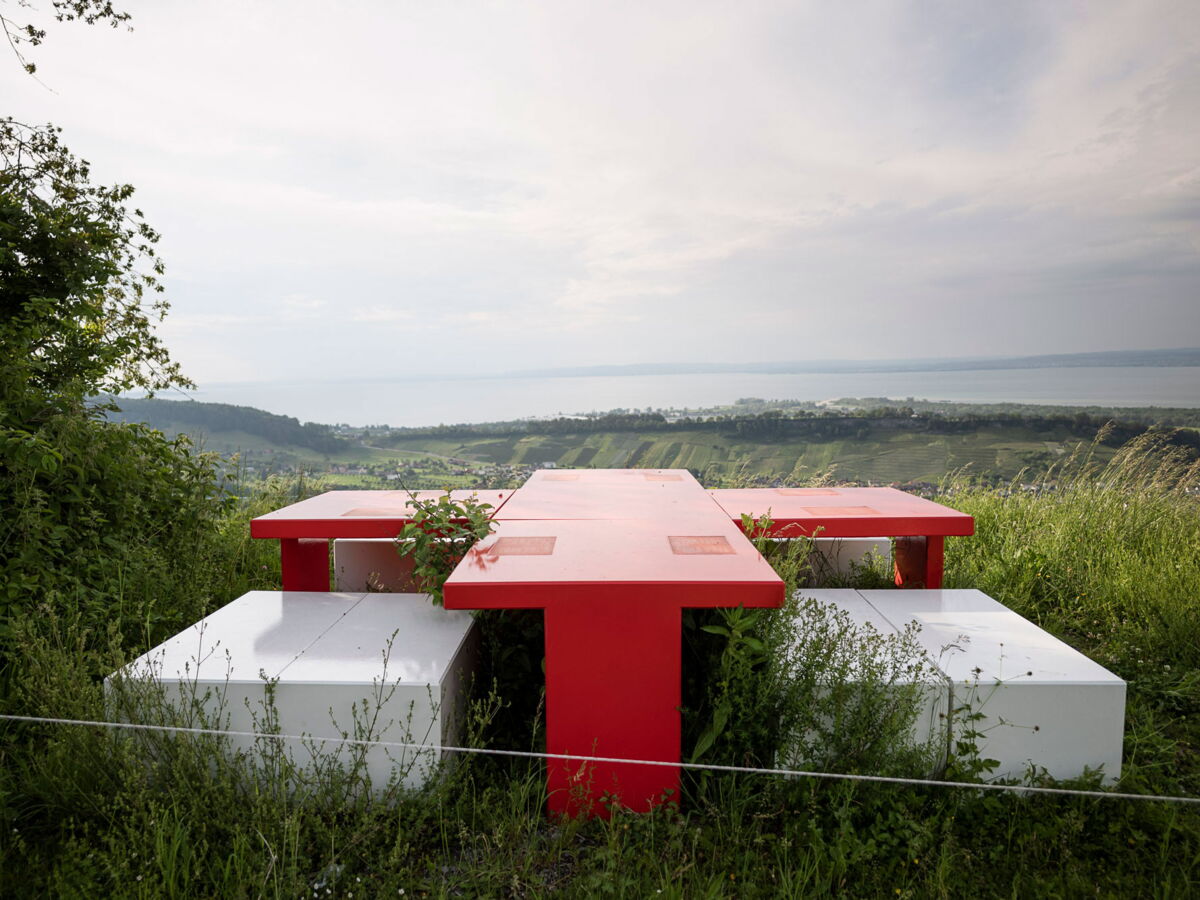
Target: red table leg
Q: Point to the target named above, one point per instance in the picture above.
(919, 561)
(612, 689)
(934, 553)
(305, 564)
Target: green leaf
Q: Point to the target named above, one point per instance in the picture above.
(712, 732)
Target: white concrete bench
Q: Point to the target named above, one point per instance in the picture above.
(841, 557)
(381, 666)
(371, 564)
(1041, 702)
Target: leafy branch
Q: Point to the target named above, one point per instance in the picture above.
(87, 11)
(439, 535)
(79, 278)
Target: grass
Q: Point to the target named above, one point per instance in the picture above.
(898, 457)
(1106, 555)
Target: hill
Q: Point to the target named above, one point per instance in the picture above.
(227, 428)
(868, 441)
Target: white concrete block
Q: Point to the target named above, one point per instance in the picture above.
(842, 556)
(371, 564)
(379, 666)
(1043, 702)
(932, 690)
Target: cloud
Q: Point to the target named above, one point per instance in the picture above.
(381, 314)
(573, 182)
(302, 303)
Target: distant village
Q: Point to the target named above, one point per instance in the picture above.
(430, 473)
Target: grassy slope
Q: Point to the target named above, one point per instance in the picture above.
(882, 458)
(896, 457)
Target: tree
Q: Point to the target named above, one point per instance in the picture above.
(96, 514)
(79, 283)
(87, 11)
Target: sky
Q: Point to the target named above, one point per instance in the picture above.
(369, 189)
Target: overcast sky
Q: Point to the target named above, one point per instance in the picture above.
(366, 189)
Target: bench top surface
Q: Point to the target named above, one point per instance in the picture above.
(537, 559)
(611, 494)
(652, 494)
(971, 636)
(337, 514)
(304, 637)
(844, 512)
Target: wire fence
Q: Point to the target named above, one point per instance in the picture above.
(1012, 789)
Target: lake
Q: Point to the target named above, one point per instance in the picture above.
(418, 401)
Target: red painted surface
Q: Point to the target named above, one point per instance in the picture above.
(303, 526)
(844, 512)
(616, 552)
(305, 564)
(609, 494)
(613, 556)
(355, 514)
(612, 591)
(612, 689)
(919, 561)
(920, 526)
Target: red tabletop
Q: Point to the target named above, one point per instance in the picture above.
(919, 526)
(526, 564)
(356, 514)
(845, 512)
(610, 476)
(609, 494)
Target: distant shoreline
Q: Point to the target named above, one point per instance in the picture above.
(1188, 357)
(407, 399)
(1182, 357)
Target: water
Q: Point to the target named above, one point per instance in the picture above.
(447, 401)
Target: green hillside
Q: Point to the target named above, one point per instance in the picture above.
(226, 428)
(882, 457)
(871, 443)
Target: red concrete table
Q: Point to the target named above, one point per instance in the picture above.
(920, 526)
(612, 591)
(304, 529)
(612, 556)
(609, 494)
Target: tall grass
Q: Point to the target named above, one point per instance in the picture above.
(1106, 557)
(1104, 554)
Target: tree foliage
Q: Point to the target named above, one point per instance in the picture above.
(87, 11)
(194, 417)
(79, 281)
(97, 515)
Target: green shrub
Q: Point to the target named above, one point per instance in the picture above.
(441, 532)
(802, 687)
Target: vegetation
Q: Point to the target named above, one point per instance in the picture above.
(1108, 559)
(87, 11)
(190, 417)
(439, 536)
(1171, 417)
(94, 513)
(875, 444)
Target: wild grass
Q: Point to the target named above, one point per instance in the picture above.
(1105, 556)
